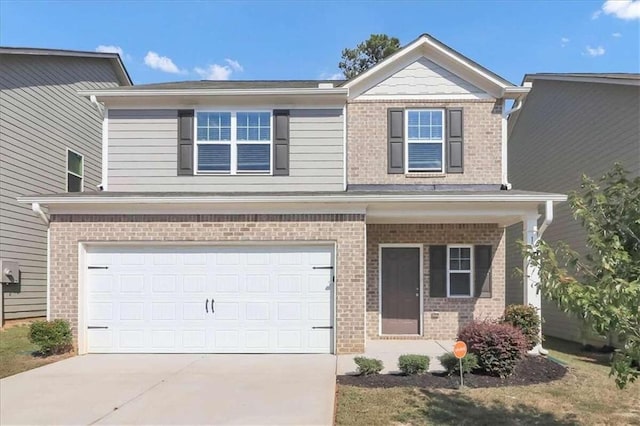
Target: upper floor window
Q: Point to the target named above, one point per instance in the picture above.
(233, 142)
(459, 271)
(75, 172)
(425, 140)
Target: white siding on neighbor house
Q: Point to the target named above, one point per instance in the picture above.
(564, 130)
(422, 77)
(42, 116)
(143, 155)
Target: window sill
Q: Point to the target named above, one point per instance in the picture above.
(410, 175)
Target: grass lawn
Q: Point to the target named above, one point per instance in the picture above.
(16, 352)
(585, 396)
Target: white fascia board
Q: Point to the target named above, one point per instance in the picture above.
(586, 79)
(282, 198)
(109, 93)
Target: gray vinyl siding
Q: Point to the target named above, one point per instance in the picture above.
(564, 130)
(42, 116)
(143, 155)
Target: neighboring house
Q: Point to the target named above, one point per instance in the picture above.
(293, 216)
(50, 141)
(569, 125)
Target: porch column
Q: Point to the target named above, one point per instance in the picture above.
(531, 276)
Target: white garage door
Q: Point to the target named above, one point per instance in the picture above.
(210, 299)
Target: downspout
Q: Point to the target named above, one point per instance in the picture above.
(505, 136)
(37, 209)
(104, 114)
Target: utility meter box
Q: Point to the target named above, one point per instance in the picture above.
(10, 270)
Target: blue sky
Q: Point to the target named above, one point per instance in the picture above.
(169, 41)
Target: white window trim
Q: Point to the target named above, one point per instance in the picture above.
(407, 142)
(470, 271)
(233, 142)
(66, 175)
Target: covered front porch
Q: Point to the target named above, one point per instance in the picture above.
(434, 267)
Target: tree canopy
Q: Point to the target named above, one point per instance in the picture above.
(603, 286)
(367, 53)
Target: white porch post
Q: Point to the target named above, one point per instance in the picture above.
(531, 276)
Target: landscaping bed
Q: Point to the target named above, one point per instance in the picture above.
(529, 371)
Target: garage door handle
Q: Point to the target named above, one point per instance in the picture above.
(97, 327)
(330, 327)
(206, 306)
(212, 309)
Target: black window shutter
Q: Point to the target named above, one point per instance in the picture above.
(437, 271)
(185, 142)
(395, 131)
(482, 265)
(455, 142)
(281, 142)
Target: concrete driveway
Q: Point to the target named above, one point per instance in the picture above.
(174, 389)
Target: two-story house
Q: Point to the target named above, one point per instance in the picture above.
(50, 141)
(596, 123)
(294, 216)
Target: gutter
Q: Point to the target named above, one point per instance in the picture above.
(98, 105)
(505, 138)
(214, 92)
(280, 198)
(37, 209)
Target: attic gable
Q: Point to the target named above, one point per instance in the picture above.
(442, 64)
(424, 78)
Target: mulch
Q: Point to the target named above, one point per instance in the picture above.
(530, 371)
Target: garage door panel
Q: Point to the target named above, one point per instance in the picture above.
(267, 299)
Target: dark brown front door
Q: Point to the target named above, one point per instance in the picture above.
(400, 290)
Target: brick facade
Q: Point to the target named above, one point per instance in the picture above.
(346, 230)
(442, 317)
(367, 143)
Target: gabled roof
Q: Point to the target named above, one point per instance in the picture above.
(632, 79)
(443, 55)
(114, 58)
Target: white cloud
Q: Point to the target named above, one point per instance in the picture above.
(331, 76)
(235, 65)
(596, 14)
(623, 9)
(595, 51)
(107, 48)
(616, 35)
(564, 41)
(219, 72)
(162, 63)
(214, 72)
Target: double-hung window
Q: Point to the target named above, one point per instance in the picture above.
(425, 140)
(75, 172)
(233, 142)
(459, 271)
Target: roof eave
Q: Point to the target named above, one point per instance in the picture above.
(130, 93)
(338, 198)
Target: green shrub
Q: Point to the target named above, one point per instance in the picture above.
(498, 346)
(51, 337)
(524, 317)
(367, 366)
(452, 364)
(413, 364)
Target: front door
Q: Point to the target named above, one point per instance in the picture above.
(400, 290)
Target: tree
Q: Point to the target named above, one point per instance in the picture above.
(367, 54)
(603, 286)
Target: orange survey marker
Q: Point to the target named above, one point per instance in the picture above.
(460, 349)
